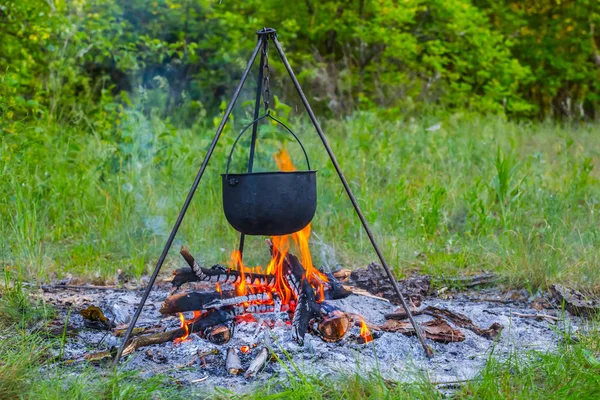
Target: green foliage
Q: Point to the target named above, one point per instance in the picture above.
(558, 41)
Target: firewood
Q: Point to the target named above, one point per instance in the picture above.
(232, 362)
(306, 309)
(257, 364)
(218, 334)
(401, 314)
(191, 301)
(212, 318)
(119, 332)
(334, 327)
(342, 275)
(183, 275)
(437, 330)
(237, 300)
(463, 321)
(221, 274)
(334, 289)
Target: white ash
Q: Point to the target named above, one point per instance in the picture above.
(394, 355)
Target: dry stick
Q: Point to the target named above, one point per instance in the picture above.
(550, 317)
(157, 338)
(82, 287)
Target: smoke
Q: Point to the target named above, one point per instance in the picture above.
(326, 253)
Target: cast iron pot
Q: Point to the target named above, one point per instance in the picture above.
(269, 203)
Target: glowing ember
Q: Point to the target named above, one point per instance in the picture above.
(185, 327)
(365, 333)
(245, 349)
(245, 318)
(218, 288)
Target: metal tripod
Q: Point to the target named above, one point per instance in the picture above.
(264, 36)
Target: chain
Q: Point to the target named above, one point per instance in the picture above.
(266, 77)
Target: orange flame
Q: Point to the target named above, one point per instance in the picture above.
(281, 245)
(218, 288)
(245, 349)
(365, 333)
(283, 160)
(185, 327)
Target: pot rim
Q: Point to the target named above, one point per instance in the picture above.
(312, 171)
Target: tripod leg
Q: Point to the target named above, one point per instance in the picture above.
(388, 271)
(255, 126)
(190, 195)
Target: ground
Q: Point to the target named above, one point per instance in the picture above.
(446, 196)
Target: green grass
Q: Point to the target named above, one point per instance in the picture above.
(480, 193)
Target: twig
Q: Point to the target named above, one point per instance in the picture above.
(81, 287)
(537, 316)
(456, 382)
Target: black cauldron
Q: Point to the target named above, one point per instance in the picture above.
(269, 203)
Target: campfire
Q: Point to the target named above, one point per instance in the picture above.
(288, 288)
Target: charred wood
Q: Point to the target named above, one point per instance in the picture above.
(218, 334)
(212, 318)
(576, 302)
(183, 275)
(437, 330)
(334, 289)
(192, 301)
(462, 321)
(237, 300)
(306, 309)
(221, 274)
(196, 301)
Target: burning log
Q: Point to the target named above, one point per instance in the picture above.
(192, 301)
(334, 325)
(232, 362)
(335, 290)
(212, 318)
(183, 275)
(257, 364)
(221, 274)
(233, 301)
(196, 301)
(218, 334)
(306, 309)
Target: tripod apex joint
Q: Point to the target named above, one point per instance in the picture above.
(269, 32)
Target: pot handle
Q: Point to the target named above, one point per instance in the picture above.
(267, 115)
